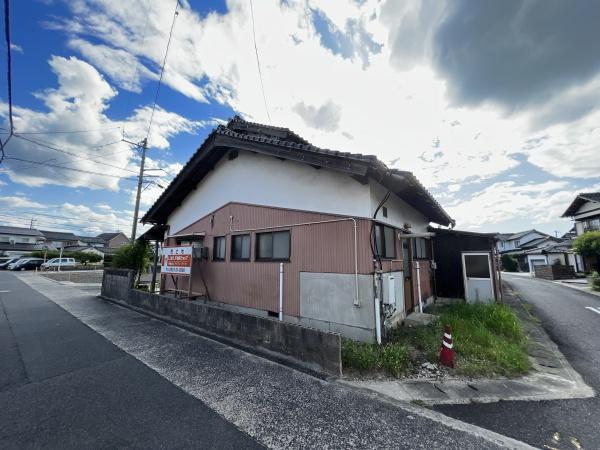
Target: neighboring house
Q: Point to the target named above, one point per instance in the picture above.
(17, 241)
(550, 251)
(585, 212)
(59, 239)
(18, 235)
(90, 241)
(515, 244)
(507, 242)
(254, 196)
(114, 240)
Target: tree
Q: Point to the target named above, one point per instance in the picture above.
(136, 256)
(509, 263)
(588, 244)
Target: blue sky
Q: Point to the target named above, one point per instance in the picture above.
(503, 135)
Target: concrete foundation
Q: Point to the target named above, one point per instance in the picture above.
(327, 302)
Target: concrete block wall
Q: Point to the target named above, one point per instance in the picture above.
(309, 347)
(116, 283)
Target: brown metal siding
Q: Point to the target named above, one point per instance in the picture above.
(327, 247)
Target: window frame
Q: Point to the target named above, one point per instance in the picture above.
(384, 245)
(232, 249)
(427, 249)
(257, 258)
(215, 239)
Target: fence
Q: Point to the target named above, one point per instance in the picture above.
(554, 272)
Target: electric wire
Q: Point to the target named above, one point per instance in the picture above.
(8, 78)
(262, 86)
(162, 69)
(57, 149)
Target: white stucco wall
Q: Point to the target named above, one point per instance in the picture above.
(399, 212)
(268, 181)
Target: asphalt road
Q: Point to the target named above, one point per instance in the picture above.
(62, 385)
(571, 424)
(274, 404)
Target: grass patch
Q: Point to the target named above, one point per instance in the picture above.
(488, 341)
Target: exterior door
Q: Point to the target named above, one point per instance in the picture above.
(406, 258)
(477, 273)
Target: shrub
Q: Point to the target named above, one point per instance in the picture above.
(588, 244)
(595, 281)
(509, 263)
(136, 256)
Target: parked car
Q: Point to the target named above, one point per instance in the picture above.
(26, 264)
(4, 264)
(56, 262)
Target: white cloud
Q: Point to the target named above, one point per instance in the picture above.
(19, 202)
(396, 107)
(97, 159)
(535, 203)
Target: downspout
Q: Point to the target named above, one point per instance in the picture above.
(280, 291)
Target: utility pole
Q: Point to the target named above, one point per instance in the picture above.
(144, 146)
(31, 223)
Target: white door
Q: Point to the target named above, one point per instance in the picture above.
(477, 272)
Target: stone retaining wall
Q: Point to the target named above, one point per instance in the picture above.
(309, 347)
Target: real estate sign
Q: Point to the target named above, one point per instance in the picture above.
(177, 260)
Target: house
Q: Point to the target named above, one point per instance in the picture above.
(585, 212)
(550, 251)
(513, 244)
(59, 239)
(17, 241)
(311, 236)
(114, 240)
(91, 241)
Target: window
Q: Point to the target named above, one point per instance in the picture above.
(384, 211)
(421, 248)
(477, 266)
(273, 246)
(385, 244)
(219, 248)
(240, 247)
(591, 225)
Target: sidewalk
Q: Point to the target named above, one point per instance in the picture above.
(552, 377)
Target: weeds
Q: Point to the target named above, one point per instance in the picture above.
(488, 341)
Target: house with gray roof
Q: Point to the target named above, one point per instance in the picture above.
(585, 212)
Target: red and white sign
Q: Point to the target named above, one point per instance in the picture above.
(177, 260)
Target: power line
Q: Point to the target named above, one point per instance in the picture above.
(12, 158)
(57, 149)
(162, 69)
(262, 86)
(8, 77)
(68, 131)
(9, 62)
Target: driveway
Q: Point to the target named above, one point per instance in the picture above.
(569, 317)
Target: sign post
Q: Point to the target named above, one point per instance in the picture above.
(178, 261)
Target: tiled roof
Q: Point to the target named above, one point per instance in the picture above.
(580, 200)
(520, 234)
(284, 143)
(20, 231)
(108, 236)
(91, 239)
(58, 235)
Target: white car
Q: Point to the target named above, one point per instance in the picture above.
(56, 262)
